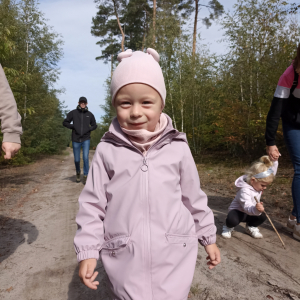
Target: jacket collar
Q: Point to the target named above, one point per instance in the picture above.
(83, 110)
(116, 135)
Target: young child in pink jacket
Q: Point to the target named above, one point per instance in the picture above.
(244, 207)
(142, 207)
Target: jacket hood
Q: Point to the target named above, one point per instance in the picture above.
(241, 183)
(116, 130)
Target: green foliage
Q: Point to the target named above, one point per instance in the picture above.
(106, 27)
(262, 42)
(106, 119)
(96, 136)
(134, 16)
(220, 102)
(109, 111)
(30, 67)
(8, 29)
(216, 10)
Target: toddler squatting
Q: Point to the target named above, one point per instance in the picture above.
(244, 207)
(142, 208)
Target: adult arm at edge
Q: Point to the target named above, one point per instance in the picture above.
(10, 119)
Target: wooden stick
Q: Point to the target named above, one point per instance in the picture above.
(272, 225)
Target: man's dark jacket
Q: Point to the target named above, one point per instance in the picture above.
(83, 123)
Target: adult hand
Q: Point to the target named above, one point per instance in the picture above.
(87, 274)
(260, 207)
(10, 149)
(214, 256)
(273, 152)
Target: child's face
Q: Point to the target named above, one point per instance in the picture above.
(138, 106)
(259, 185)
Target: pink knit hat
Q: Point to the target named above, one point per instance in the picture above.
(138, 67)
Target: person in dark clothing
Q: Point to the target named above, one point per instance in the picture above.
(83, 123)
(286, 105)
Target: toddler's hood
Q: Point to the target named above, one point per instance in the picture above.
(241, 183)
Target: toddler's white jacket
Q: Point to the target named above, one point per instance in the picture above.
(244, 199)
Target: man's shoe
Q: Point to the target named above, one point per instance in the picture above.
(84, 179)
(254, 232)
(296, 232)
(78, 177)
(290, 225)
(226, 233)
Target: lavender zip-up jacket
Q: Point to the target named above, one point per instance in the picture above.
(244, 199)
(144, 215)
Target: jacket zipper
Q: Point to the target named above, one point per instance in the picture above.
(147, 228)
(81, 125)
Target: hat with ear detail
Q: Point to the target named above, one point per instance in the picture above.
(124, 54)
(138, 67)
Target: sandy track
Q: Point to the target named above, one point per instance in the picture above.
(37, 260)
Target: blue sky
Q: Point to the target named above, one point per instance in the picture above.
(81, 74)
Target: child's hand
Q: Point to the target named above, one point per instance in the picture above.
(87, 274)
(260, 207)
(214, 255)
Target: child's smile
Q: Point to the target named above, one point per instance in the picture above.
(138, 106)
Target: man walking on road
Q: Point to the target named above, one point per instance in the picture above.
(83, 123)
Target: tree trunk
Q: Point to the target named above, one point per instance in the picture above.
(154, 22)
(144, 35)
(120, 27)
(195, 26)
(180, 91)
(241, 85)
(172, 106)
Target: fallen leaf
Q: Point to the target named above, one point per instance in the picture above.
(10, 289)
(270, 297)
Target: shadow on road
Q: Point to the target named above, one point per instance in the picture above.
(13, 234)
(71, 178)
(16, 179)
(78, 291)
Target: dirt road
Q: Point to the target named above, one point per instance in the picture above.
(38, 204)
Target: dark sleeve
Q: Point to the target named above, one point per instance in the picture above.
(93, 123)
(281, 96)
(273, 120)
(67, 121)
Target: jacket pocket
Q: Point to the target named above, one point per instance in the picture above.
(173, 238)
(115, 245)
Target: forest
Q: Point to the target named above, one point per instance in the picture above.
(219, 101)
(29, 53)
